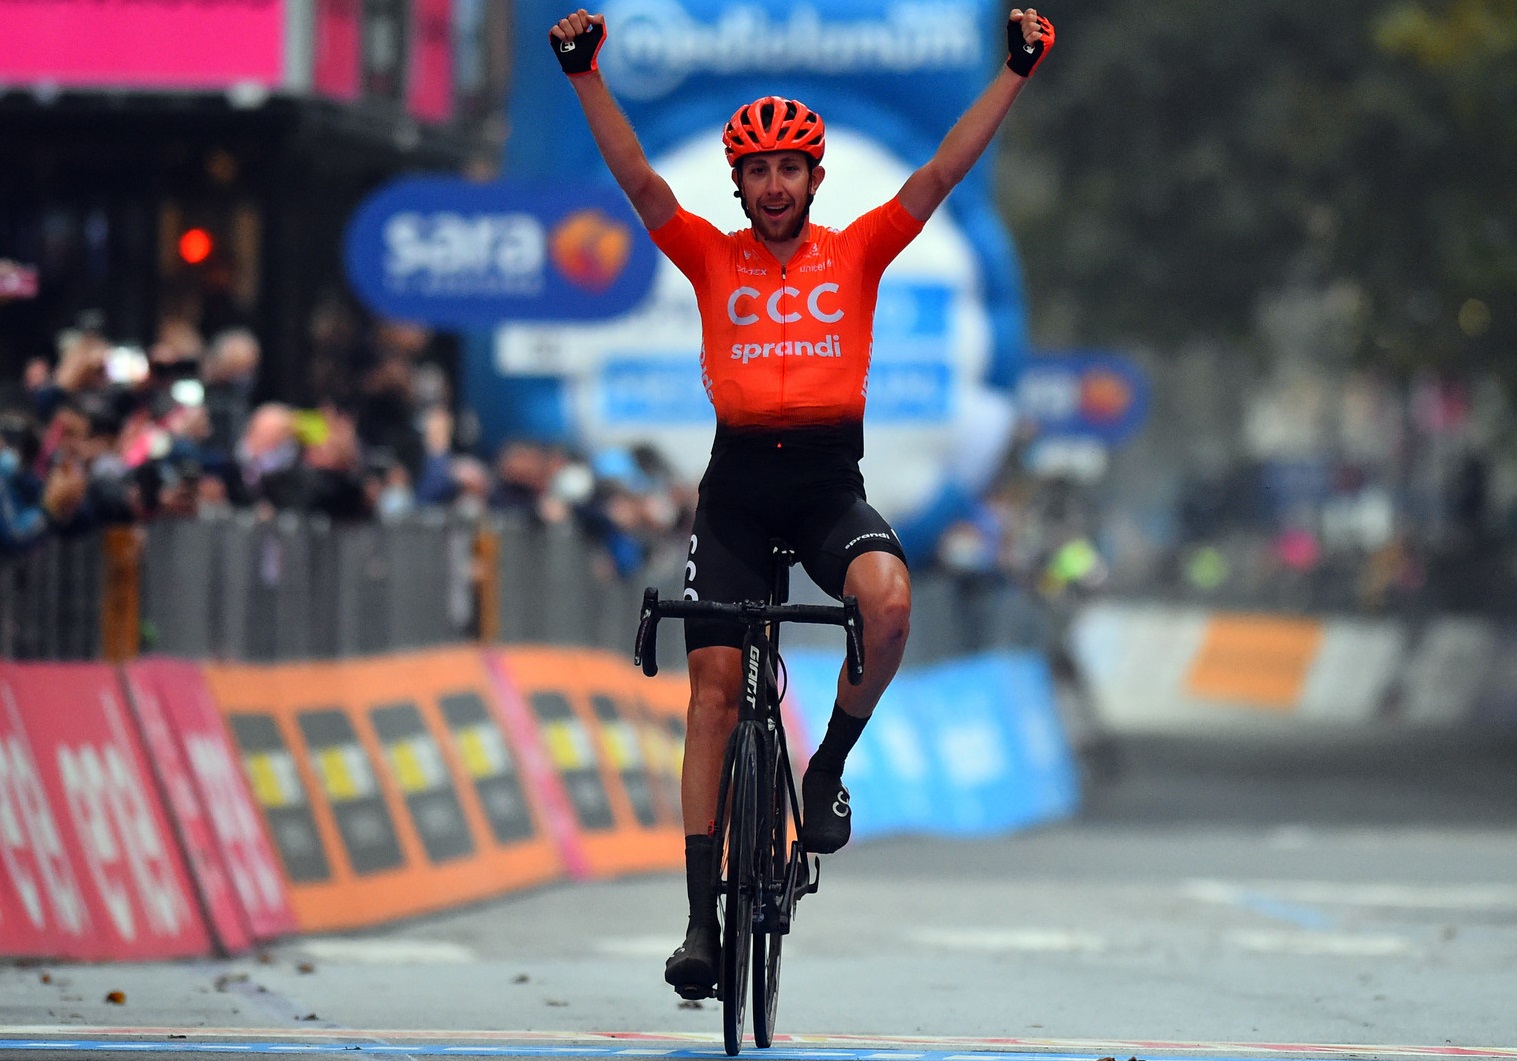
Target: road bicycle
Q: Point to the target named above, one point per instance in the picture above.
(759, 865)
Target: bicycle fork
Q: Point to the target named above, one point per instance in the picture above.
(783, 889)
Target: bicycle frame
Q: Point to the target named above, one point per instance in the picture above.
(766, 870)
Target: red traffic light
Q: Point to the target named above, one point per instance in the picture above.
(195, 246)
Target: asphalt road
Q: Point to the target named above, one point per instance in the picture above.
(1231, 895)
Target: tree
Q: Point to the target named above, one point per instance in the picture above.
(1176, 168)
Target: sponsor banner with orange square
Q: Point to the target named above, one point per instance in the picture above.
(613, 739)
(92, 867)
(1254, 660)
(389, 786)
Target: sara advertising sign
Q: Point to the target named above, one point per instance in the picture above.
(1088, 395)
(455, 253)
(142, 43)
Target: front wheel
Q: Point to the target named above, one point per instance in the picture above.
(767, 945)
(739, 885)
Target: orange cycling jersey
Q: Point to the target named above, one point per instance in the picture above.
(787, 345)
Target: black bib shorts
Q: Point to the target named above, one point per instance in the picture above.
(802, 485)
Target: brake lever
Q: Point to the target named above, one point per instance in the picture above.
(645, 648)
(853, 631)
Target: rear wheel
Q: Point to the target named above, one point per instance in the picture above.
(739, 883)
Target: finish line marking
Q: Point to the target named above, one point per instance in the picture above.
(78, 1039)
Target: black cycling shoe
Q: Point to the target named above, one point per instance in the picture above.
(826, 819)
(692, 969)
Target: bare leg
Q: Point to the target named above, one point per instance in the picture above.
(881, 583)
(715, 677)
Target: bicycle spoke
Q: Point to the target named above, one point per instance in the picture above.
(767, 945)
(737, 930)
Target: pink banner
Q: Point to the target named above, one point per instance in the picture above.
(517, 723)
(92, 868)
(338, 64)
(142, 43)
(429, 90)
(234, 864)
(42, 907)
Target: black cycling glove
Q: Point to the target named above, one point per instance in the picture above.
(1023, 58)
(577, 55)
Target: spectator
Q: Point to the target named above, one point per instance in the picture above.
(35, 376)
(179, 343)
(542, 480)
(570, 485)
(387, 486)
(307, 461)
(337, 354)
(385, 413)
(435, 482)
(81, 367)
(331, 471)
(82, 438)
(398, 390)
(615, 515)
(522, 475)
(266, 452)
(471, 486)
(29, 508)
(228, 373)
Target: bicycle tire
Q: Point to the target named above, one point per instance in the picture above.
(767, 946)
(739, 884)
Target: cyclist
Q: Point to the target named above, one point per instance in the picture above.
(787, 311)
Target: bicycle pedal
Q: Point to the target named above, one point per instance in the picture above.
(694, 992)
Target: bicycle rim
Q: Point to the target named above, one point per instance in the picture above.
(767, 945)
(738, 889)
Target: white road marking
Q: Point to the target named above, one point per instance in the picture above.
(1008, 939)
(1402, 896)
(540, 1043)
(1331, 944)
(1385, 895)
(340, 950)
(637, 946)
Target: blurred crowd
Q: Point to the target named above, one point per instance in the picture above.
(105, 434)
(1404, 504)
(1418, 515)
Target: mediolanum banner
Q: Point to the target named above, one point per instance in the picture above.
(889, 77)
(157, 44)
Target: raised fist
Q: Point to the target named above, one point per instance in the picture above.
(1029, 37)
(577, 40)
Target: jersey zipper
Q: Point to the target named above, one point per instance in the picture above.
(784, 338)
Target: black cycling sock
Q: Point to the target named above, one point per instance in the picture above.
(842, 734)
(698, 882)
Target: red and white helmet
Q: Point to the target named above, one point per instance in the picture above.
(774, 123)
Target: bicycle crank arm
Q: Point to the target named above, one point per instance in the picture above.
(815, 877)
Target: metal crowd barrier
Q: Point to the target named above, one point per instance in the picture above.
(298, 587)
(50, 603)
(233, 587)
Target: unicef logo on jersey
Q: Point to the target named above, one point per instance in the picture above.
(655, 45)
